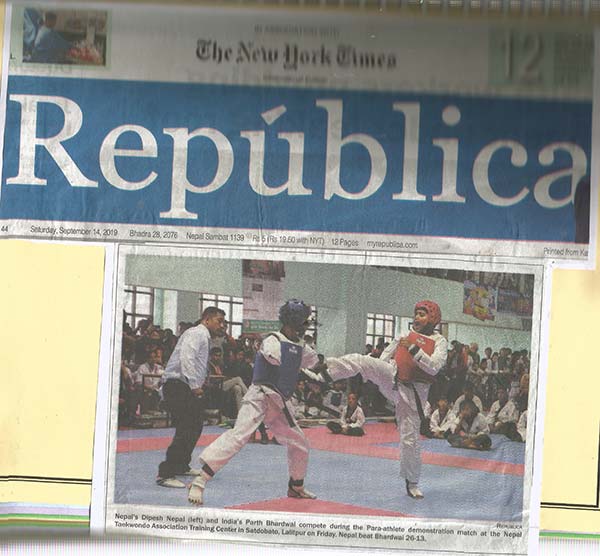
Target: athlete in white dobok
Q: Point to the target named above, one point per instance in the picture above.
(403, 374)
(276, 368)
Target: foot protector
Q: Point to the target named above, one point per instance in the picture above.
(196, 492)
(413, 491)
(296, 490)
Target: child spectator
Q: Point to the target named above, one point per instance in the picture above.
(503, 415)
(335, 399)
(352, 419)
(298, 400)
(442, 419)
(471, 428)
(148, 377)
(314, 401)
(468, 394)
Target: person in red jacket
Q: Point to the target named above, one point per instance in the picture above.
(403, 374)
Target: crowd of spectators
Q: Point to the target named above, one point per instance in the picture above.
(478, 394)
(474, 394)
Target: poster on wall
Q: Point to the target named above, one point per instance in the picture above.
(263, 292)
(480, 301)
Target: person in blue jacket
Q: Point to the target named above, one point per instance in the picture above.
(276, 368)
(49, 45)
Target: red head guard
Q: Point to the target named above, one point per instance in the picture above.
(433, 311)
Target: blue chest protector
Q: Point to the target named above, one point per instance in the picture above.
(283, 377)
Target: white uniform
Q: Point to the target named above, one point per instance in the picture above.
(508, 413)
(522, 426)
(478, 426)
(335, 400)
(152, 383)
(461, 399)
(354, 421)
(437, 425)
(382, 373)
(264, 404)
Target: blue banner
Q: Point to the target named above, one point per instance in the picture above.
(89, 150)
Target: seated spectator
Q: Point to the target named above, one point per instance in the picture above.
(515, 381)
(234, 387)
(471, 429)
(137, 393)
(298, 400)
(503, 415)
(314, 401)
(169, 341)
(488, 357)
(441, 419)
(522, 399)
(335, 399)
(474, 354)
(456, 369)
(149, 375)
(241, 365)
(504, 358)
(352, 419)
(468, 394)
(126, 392)
(522, 427)
(493, 366)
(477, 375)
(469, 420)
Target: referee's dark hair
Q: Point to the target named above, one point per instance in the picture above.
(211, 312)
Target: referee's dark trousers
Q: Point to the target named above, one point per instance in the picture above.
(186, 411)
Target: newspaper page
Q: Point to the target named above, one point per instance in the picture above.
(471, 453)
(352, 165)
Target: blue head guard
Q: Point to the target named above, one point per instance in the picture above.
(294, 313)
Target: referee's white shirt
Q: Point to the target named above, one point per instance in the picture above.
(189, 359)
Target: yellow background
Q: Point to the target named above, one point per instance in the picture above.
(50, 316)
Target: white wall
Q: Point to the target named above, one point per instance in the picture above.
(196, 274)
(187, 307)
(344, 294)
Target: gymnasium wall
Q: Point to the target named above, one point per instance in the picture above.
(344, 294)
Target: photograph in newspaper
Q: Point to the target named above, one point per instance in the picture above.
(279, 398)
(62, 36)
(231, 126)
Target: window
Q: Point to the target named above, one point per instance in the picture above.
(314, 319)
(233, 307)
(380, 326)
(139, 304)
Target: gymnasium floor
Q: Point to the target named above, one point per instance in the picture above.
(350, 476)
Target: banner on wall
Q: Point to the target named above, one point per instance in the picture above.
(480, 301)
(237, 128)
(263, 293)
(514, 302)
